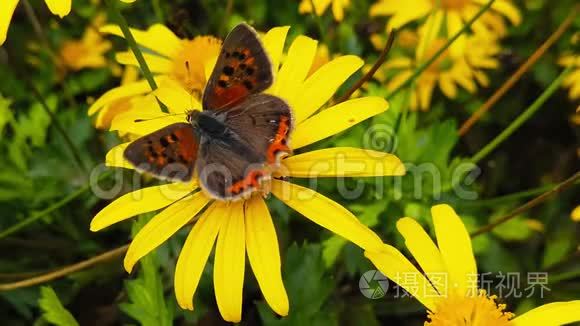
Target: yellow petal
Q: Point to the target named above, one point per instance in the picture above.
(131, 89)
(295, 68)
(396, 267)
(405, 11)
(195, 252)
(398, 63)
(128, 1)
(145, 118)
(425, 91)
(557, 313)
(335, 119)
(115, 158)
(176, 98)
(59, 7)
(274, 44)
(106, 115)
(454, 25)
(140, 201)
(455, 247)
(343, 162)
(337, 10)
(326, 213)
(319, 5)
(447, 86)
(129, 122)
(413, 10)
(507, 9)
(576, 214)
(264, 254)
(399, 79)
(5, 17)
(322, 85)
(229, 265)
(432, 27)
(422, 248)
(156, 63)
(158, 38)
(164, 225)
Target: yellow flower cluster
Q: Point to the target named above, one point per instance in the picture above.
(432, 24)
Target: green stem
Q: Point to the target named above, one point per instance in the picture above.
(507, 198)
(34, 217)
(521, 119)
(158, 11)
(52, 51)
(437, 54)
(68, 141)
(561, 187)
(318, 21)
(112, 4)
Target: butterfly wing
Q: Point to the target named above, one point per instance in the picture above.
(242, 68)
(168, 153)
(259, 128)
(263, 122)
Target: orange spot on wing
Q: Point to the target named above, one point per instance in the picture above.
(252, 180)
(227, 97)
(279, 143)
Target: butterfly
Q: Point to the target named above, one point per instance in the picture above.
(232, 144)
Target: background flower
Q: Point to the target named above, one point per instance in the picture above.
(448, 73)
(453, 13)
(338, 7)
(187, 62)
(455, 300)
(89, 51)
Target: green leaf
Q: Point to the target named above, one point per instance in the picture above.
(560, 241)
(5, 112)
(54, 312)
(516, 229)
(145, 293)
(309, 289)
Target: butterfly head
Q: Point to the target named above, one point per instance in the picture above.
(192, 117)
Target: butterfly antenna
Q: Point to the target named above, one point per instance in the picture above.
(163, 116)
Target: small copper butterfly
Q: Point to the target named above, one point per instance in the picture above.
(231, 144)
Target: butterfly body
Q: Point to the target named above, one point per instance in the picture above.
(233, 144)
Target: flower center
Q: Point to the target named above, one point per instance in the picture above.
(480, 310)
(189, 65)
(450, 4)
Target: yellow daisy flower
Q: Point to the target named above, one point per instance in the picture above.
(455, 301)
(453, 13)
(321, 6)
(572, 81)
(88, 52)
(448, 72)
(246, 226)
(187, 62)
